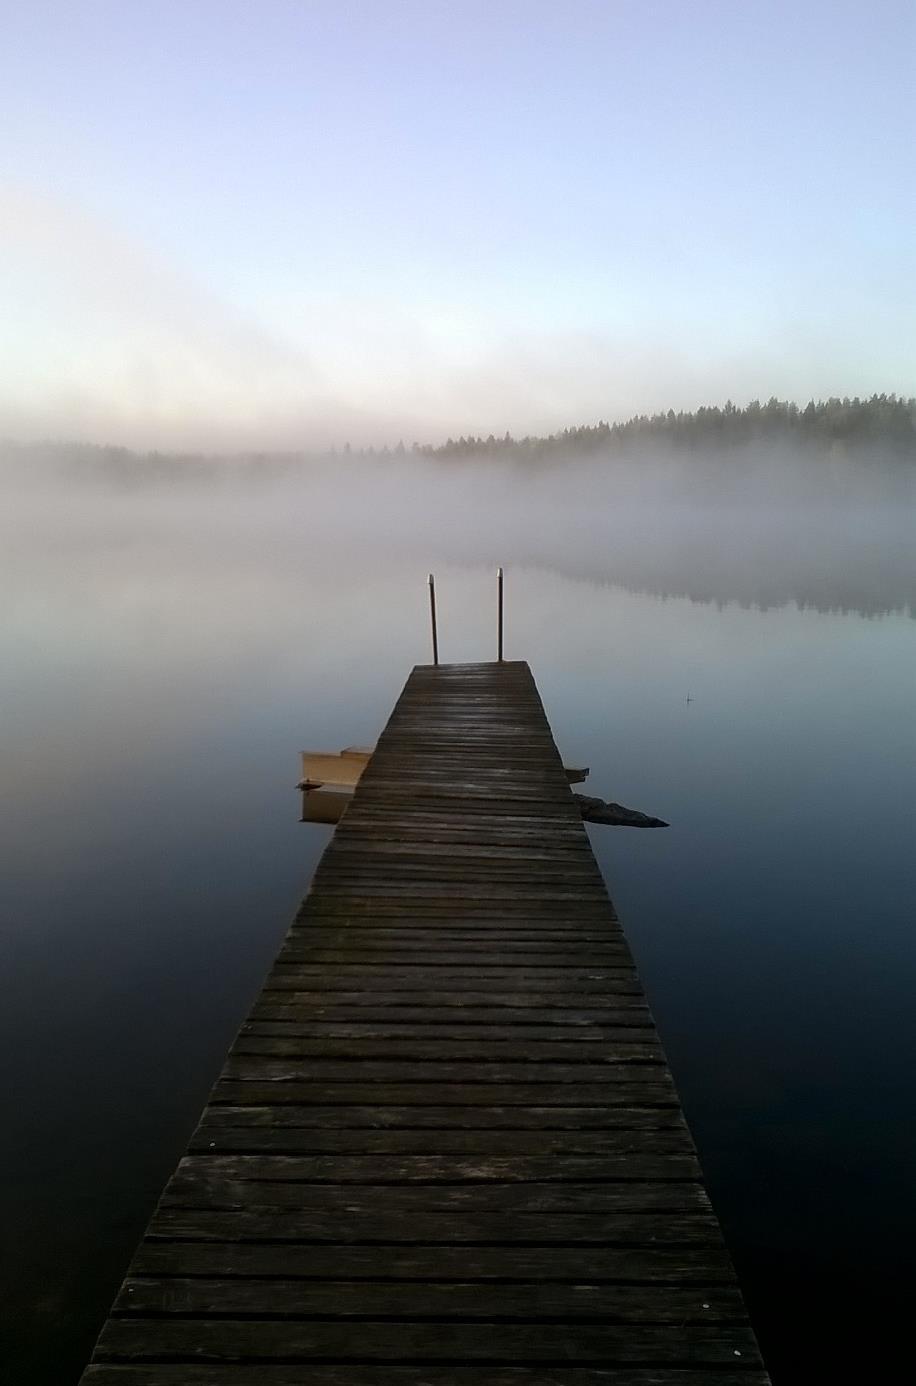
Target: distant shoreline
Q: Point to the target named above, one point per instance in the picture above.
(885, 421)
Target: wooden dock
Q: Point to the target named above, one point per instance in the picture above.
(445, 1149)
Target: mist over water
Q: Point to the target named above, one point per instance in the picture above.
(172, 637)
(760, 525)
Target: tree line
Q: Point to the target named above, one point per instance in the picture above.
(887, 419)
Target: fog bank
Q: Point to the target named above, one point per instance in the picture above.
(759, 526)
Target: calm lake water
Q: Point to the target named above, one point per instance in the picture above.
(166, 651)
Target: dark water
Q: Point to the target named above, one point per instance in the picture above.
(165, 655)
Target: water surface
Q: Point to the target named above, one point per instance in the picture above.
(167, 651)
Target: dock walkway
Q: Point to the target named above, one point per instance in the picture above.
(445, 1149)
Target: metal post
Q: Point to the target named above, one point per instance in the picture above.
(499, 591)
(432, 617)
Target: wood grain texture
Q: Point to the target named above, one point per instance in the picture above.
(445, 1148)
(356, 1374)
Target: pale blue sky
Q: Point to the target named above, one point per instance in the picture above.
(285, 223)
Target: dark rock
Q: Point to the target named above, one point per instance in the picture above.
(598, 811)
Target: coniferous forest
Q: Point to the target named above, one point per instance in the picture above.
(885, 420)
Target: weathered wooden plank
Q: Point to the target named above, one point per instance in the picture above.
(399, 1341)
(541, 971)
(443, 1300)
(475, 828)
(507, 938)
(380, 1374)
(472, 822)
(588, 911)
(386, 867)
(450, 1050)
(396, 776)
(622, 1088)
(538, 932)
(513, 896)
(283, 1137)
(479, 912)
(462, 917)
(660, 1154)
(371, 871)
(576, 1262)
(594, 988)
(486, 1229)
(571, 1035)
(574, 1121)
(474, 864)
(199, 1189)
(466, 995)
(421, 847)
(627, 1010)
(420, 793)
(362, 955)
(447, 881)
(259, 1069)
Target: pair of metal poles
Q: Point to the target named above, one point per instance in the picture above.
(499, 616)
